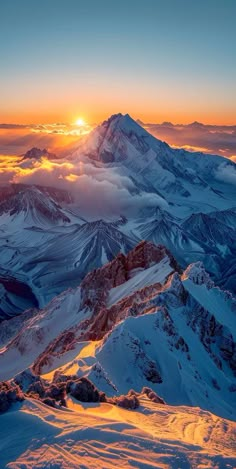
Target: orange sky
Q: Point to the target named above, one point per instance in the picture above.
(68, 109)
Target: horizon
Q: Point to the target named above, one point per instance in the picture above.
(137, 119)
(59, 138)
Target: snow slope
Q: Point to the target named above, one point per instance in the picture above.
(137, 321)
(151, 326)
(31, 206)
(101, 436)
(141, 278)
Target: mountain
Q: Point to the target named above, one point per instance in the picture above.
(27, 214)
(181, 186)
(32, 206)
(36, 153)
(52, 257)
(117, 330)
(164, 228)
(68, 256)
(154, 166)
(166, 196)
(214, 228)
(15, 296)
(137, 321)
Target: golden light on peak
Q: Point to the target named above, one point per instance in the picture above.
(80, 122)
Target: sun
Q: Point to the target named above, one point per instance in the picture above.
(80, 122)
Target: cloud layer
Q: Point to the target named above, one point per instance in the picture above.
(97, 191)
(219, 140)
(226, 173)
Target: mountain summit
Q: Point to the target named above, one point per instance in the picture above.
(114, 139)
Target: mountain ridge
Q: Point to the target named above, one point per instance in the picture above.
(126, 313)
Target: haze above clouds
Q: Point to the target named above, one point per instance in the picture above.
(62, 138)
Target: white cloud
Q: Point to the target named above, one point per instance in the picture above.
(226, 173)
(98, 191)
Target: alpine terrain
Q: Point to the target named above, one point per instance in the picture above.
(118, 308)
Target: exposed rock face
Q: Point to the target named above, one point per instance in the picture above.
(9, 394)
(153, 396)
(146, 254)
(94, 295)
(56, 393)
(97, 284)
(83, 390)
(26, 379)
(130, 401)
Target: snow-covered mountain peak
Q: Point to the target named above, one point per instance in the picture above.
(152, 165)
(121, 121)
(33, 206)
(198, 275)
(118, 138)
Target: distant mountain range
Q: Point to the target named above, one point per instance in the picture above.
(216, 139)
(49, 244)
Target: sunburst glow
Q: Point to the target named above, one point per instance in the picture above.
(80, 122)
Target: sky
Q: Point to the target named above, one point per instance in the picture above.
(158, 60)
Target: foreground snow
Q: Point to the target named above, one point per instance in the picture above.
(102, 436)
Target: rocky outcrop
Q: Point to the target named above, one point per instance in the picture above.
(96, 285)
(198, 275)
(36, 153)
(9, 394)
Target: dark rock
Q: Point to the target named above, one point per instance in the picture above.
(9, 394)
(83, 390)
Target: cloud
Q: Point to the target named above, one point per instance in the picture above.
(215, 139)
(193, 148)
(226, 173)
(98, 191)
(61, 137)
(14, 126)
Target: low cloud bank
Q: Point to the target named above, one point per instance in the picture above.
(96, 190)
(226, 173)
(62, 137)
